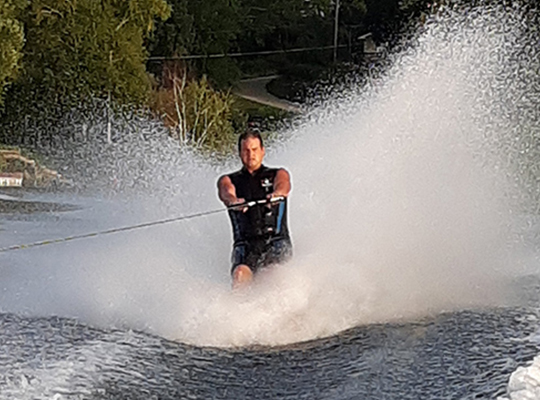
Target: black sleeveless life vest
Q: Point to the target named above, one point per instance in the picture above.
(261, 221)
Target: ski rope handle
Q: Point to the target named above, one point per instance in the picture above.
(252, 203)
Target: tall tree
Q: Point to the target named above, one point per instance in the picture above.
(11, 41)
(217, 24)
(174, 36)
(89, 47)
(196, 26)
(388, 18)
(202, 28)
(224, 26)
(281, 24)
(352, 18)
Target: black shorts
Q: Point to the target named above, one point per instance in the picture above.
(257, 254)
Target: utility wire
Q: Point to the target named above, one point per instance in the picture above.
(247, 54)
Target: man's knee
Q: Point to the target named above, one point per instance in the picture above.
(242, 274)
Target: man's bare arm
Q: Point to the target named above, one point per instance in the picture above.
(227, 191)
(282, 184)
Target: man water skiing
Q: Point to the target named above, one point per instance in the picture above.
(260, 232)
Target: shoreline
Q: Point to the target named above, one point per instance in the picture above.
(15, 203)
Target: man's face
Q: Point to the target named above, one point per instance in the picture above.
(251, 153)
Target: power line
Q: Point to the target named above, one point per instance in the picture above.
(246, 54)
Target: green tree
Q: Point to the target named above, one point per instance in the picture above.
(225, 26)
(79, 48)
(216, 26)
(202, 28)
(352, 18)
(281, 24)
(174, 36)
(11, 42)
(388, 18)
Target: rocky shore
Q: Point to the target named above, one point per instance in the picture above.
(12, 161)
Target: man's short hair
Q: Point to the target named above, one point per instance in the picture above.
(249, 133)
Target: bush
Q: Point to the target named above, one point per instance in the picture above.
(197, 115)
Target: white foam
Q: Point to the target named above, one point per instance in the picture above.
(525, 382)
(401, 207)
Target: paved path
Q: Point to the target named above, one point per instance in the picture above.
(254, 89)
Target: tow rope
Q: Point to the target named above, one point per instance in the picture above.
(139, 226)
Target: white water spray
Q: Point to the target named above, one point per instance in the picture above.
(402, 206)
